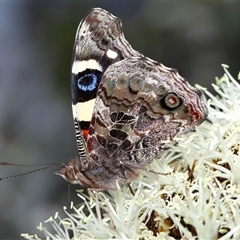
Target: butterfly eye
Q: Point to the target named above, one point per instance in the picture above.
(171, 101)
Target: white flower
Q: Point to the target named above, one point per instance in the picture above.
(199, 197)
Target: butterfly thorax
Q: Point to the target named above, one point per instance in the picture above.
(96, 176)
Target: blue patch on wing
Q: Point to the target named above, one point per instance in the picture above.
(88, 82)
(84, 85)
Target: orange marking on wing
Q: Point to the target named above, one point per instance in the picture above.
(85, 133)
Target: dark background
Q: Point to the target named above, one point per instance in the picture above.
(36, 40)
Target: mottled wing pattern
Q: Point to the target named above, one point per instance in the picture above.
(140, 106)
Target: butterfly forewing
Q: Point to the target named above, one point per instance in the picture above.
(99, 43)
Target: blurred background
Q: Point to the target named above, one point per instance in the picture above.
(36, 41)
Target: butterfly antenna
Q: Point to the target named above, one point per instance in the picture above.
(47, 166)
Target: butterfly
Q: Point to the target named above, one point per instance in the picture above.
(125, 106)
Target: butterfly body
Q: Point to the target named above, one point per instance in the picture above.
(125, 105)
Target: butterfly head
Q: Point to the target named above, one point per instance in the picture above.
(72, 172)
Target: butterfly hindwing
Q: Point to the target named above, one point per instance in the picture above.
(139, 107)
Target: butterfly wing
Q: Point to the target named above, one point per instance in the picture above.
(141, 106)
(99, 43)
